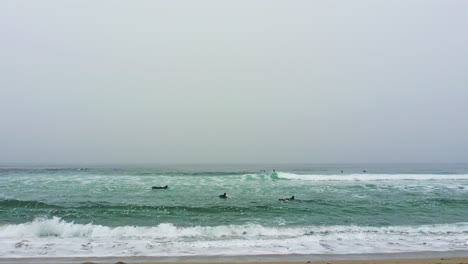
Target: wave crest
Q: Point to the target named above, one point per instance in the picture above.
(56, 237)
(370, 177)
(57, 227)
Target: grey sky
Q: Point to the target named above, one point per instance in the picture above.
(233, 81)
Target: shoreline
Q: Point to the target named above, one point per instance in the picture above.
(428, 257)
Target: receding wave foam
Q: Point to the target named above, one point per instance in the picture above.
(370, 177)
(58, 238)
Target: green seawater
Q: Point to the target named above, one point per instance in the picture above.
(383, 195)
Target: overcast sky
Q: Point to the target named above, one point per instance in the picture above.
(233, 81)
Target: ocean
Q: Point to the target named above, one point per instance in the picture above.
(102, 211)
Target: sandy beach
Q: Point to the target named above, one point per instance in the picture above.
(458, 260)
(438, 260)
(462, 260)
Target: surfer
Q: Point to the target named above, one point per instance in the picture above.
(223, 196)
(159, 187)
(286, 199)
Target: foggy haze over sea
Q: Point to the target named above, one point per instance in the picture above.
(232, 82)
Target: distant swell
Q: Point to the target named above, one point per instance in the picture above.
(117, 172)
(370, 177)
(13, 203)
(18, 204)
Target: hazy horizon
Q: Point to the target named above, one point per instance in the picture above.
(208, 82)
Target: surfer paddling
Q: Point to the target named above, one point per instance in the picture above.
(159, 187)
(286, 199)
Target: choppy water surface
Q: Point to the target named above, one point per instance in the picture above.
(112, 211)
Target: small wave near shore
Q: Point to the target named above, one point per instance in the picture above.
(54, 237)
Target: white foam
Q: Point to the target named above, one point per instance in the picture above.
(58, 238)
(371, 177)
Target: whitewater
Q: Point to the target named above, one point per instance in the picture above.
(77, 211)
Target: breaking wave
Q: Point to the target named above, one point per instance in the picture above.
(370, 177)
(56, 237)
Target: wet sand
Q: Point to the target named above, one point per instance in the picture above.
(458, 260)
(450, 257)
(454, 260)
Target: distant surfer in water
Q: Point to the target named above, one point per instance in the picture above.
(159, 187)
(223, 196)
(286, 199)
